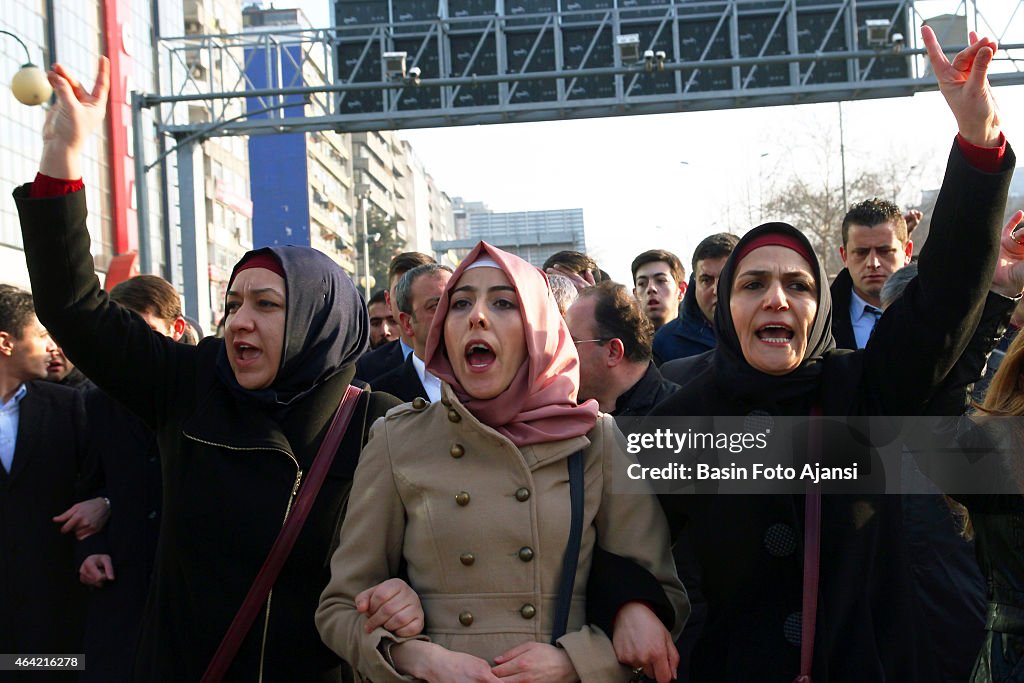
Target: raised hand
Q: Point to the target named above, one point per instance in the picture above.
(75, 116)
(964, 84)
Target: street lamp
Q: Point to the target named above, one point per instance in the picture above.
(29, 85)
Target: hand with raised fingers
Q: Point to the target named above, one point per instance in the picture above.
(964, 84)
(75, 116)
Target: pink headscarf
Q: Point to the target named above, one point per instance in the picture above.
(540, 404)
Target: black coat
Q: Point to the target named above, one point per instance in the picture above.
(865, 626)
(999, 535)
(402, 382)
(842, 326)
(382, 359)
(229, 469)
(123, 464)
(42, 604)
(639, 399)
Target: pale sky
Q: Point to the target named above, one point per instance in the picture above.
(627, 175)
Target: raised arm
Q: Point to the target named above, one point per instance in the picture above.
(923, 334)
(116, 349)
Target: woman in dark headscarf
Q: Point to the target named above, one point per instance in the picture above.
(775, 356)
(471, 496)
(239, 421)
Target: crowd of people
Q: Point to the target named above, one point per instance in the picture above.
(420, 486)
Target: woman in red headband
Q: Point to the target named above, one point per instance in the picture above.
(802, 587)
(239, 421)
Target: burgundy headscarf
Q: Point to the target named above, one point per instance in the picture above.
(540, 403)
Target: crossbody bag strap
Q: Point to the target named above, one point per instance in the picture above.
(572, 550)
(264, 581)
(812, 557)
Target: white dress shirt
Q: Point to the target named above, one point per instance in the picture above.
(431, 384)
(9, 413)
(862, 318)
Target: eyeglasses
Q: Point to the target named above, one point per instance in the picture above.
(590, 341)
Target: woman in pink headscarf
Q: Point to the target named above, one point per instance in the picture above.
(470, 499)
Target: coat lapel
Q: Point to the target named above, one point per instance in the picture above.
(31, 413)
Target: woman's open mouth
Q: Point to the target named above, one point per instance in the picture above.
(479, 356)
(246, 354)
(775, 333)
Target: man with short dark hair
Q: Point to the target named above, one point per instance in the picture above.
(42, 433)
(390, 355)
(659, 282)
(383, 326)
(416, 296)
(693, 331)
(875, 245)
(613, 340)
(123, 467)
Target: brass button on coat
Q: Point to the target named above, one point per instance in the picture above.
(419, 403)
(523, 495)
(528, 611)
(466, 618)
(526, 553)
(453, 416)
(467, 559)
(462, 498)
(457, 451)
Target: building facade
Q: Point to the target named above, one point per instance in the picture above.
(532, 235)
(302, 183)
(75, 34)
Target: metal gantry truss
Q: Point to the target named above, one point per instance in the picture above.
(522, 64)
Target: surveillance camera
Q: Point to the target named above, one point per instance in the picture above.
(897, 38)
(415, 72)
(648, 55)
(660, 54)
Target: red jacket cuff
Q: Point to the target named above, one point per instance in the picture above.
(987, 159)
(45, 186)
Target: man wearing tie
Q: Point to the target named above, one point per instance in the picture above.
(875, 245)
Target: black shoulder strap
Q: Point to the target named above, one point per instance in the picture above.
(572, 550)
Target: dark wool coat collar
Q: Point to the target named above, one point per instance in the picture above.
(842, 326)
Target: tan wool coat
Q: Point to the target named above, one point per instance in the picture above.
(482, 526)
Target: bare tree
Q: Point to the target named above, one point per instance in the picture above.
(812, 201)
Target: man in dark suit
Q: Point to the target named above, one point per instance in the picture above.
(416, 297)
(390, 355)
(42, 431)
(875, 245)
